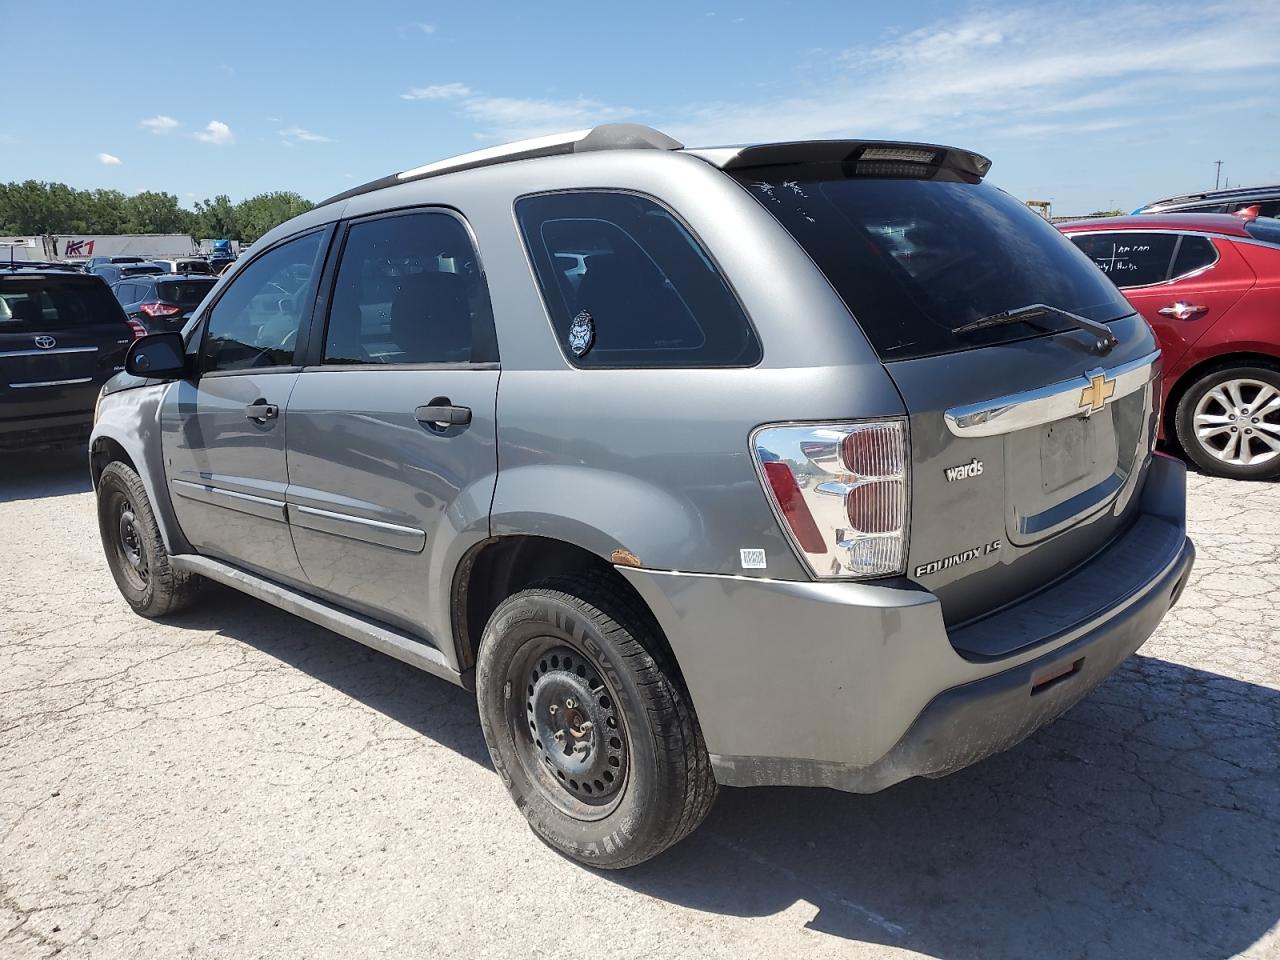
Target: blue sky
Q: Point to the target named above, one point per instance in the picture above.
(1090, 105)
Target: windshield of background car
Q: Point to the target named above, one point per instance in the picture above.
(55, 303)
(186, 293)
(916, 258)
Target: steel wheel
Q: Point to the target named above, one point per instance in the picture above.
(128, 543)
(569, 734)
(1238, 422)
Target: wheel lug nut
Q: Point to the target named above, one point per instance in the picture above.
(587, 726)
(552, 709)
(1234, 429)
(1247, 430)
(1255, 420)
(570, 703)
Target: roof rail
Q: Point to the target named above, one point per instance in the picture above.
(608, 136)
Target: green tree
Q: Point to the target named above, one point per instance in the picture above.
(150, 212)
(215, 219)
(256, 215)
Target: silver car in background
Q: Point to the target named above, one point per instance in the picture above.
(821, 463)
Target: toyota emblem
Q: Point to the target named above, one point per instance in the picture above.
(45, 343)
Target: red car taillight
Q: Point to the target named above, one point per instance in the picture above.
(841, 492)
(138, 329)
(159, 309)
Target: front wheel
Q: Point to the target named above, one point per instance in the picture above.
(134, 548)
(1228, 422)
(588, 724)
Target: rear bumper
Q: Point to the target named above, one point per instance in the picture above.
(859, 686)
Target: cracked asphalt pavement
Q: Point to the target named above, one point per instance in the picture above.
(239, 783)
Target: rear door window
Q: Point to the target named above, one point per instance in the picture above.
(627, 285)
(917, 257)
(1194, 254)
(1130, 259)
(409, 289)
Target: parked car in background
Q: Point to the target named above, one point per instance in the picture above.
(162, 301)
(184, 265)
(1209, 285)
(221, 256)
(62, 336)
(89, 265)
(113, 272)
(1266, 200)
(646, 483)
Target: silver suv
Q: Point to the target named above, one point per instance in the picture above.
(818, 463)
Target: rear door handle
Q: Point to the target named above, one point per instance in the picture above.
(441, 414)
(261, 411)
(1182, 310)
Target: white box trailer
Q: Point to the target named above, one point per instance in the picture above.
(77, 248)
(22, 249)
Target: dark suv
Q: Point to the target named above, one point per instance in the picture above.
(162, 301)
(1262, 201)
(62, 336)
(821, 463)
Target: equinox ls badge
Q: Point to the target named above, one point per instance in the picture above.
(963, 472)
(1095, 396)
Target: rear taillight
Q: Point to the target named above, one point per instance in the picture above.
(840, 490)
(138, 329)
(159, 309)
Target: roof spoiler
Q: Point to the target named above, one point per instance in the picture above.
(608, 136)
(839, 151)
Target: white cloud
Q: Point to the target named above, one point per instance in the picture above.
(995, 69)
(300, 135)
(406, 30)
(439, 91)
(216, 132)
(107, 160)
(160, 124)
(516, 117)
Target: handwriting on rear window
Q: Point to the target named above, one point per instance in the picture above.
(1121, 257)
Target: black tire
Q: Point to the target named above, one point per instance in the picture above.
(1213, 453)
(646, 776)
(134, 548)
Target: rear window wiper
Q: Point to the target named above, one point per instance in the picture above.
(1106, 339)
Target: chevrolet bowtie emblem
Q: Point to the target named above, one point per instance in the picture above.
(1095, 396)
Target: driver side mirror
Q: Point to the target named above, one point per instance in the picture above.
(159, 356)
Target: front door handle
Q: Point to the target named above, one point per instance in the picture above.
(261, 411)
(1182, 310)
(440, 414)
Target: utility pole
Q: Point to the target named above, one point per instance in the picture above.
(1217, 176)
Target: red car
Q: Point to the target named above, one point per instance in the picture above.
(1209, 284)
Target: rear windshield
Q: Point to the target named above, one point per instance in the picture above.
(186, 293)
(192, 266)
(916, 258)
(55, 303)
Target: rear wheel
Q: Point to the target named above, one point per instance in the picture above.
(588, 725)
(1228, 422)
(134, 548)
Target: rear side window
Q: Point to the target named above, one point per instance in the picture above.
(185, 293)
(627, 285)
(1130, 259)
(409, 290)
(1194, 253)
(917, 257)
(55, 303)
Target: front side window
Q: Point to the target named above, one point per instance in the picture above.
(409, 289)
(1130, 259)
(627, 285)
(255, 323)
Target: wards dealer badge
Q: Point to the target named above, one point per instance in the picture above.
(582, 333)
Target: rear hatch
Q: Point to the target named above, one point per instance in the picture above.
(1028, 440)
(62, 335)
